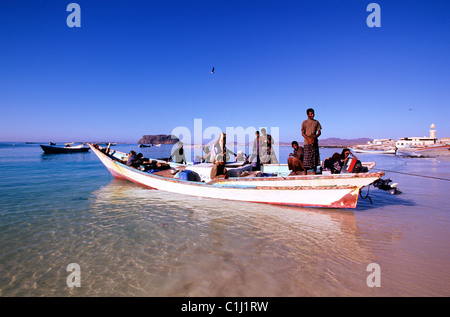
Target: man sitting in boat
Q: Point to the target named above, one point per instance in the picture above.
(241, 157)
(350, 163)
(295, 159)
(132, 159)
(333, 164)
(218, 170)
(178, 154)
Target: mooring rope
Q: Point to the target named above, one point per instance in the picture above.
(410, 174)
(367, 196)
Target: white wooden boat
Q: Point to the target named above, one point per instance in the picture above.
(335, 191)
(437, 148)
(426, 151)
(373, 151)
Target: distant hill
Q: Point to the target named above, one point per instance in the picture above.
(337, 142)
(158, 139)
(330, 142)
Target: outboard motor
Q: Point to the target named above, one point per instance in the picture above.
(384, 185)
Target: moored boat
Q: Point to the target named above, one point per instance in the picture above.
(335, 190)
(425, 151)
(374, 151)
(435, 147)
(53, 149)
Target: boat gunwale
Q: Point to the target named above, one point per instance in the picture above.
(229, 182)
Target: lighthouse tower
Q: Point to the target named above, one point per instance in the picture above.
(432, 131)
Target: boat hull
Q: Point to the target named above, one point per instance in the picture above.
(373, 151)
(51, 149)
(335, 191)
(426, 151)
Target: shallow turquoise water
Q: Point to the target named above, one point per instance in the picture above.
(133, 241)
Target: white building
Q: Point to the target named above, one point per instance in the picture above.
(418, 141)
(382, 142)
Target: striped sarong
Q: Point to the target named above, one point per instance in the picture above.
(311, 157)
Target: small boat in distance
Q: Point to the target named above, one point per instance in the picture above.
(145, 145)
(68, 148)
(374, 151)
(426, 151)
(333, 190)
(106, 143)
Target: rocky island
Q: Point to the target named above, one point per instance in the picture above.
(158, 139)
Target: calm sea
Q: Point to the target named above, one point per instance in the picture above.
(129, 240)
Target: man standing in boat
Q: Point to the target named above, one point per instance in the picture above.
(267, 155)
(311, 130)
(255, 159)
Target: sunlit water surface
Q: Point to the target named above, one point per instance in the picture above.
(133, 241)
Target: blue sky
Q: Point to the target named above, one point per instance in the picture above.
(143, 67)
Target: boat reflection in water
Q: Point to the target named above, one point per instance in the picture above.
(179, 245)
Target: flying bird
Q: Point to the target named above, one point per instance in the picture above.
(212, 70)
